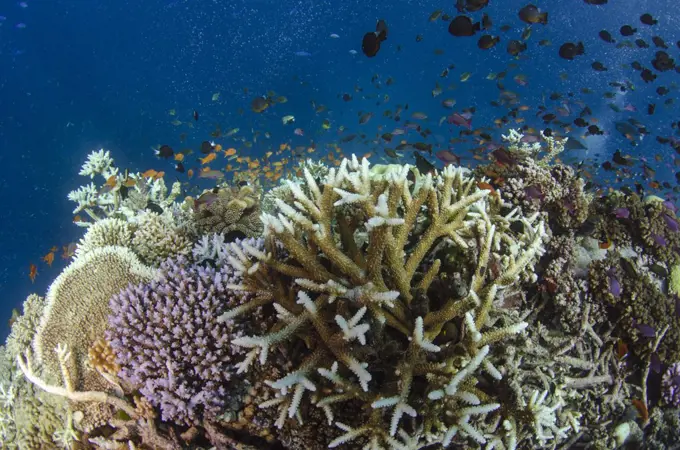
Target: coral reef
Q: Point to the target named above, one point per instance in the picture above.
(169, 343)
(356, 306)
(232, 211)
(363, 293)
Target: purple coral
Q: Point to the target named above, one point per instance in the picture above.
(671, 385)
(169, 343)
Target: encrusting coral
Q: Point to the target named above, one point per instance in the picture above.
(354, 269)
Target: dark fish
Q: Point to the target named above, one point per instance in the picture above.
(595, 2)
(486, 21)
(627, 30)
(259, 104)
(371, 42)
(597, 65)
(503, 156)
(641, 43)
(647, 19)
(647, 75)
(662, 61)
(606, 36)
(165, 151)
(462, 26)
(179, 167)
(206, 147)
(475, 5)
(531, 14)
(153, 207)
(570, 50)
(516, 47)
(574, 144)
(487, 41)
(195, 115)
(423, 165)
(659, 42)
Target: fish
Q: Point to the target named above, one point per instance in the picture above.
(569, 50)
(487, 41)
(49, 258)
(32, 272)
(299, 132)
(463, 120)
(215, 96)
(462, 26)
(288, 119)
(370, 44)
(164, 151)
(334, 36)
(259, 104)
(531, 14)
(195, 115)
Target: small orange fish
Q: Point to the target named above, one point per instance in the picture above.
(605, 245)
(49, 258)
(230, 152)
(218, 148)
(111, 181)
(130, 182)
(190, 173)
(68, 250)
(621, 349)
(179, 157)
(485, 186)
(149, 173)
(77, 219)
(641, 409)
(208, 159)
(32, 272)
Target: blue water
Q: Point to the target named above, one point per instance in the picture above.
(86, 74)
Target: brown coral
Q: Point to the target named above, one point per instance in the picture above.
(102, 358)
(235, 213)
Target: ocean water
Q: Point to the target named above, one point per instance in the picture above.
(79, 75)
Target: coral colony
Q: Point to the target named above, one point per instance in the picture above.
(357, 306)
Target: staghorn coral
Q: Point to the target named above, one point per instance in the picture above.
(105, 232)
(234, 212)
(75, 315)
(362, 298)
(158, 238)
(169, 343)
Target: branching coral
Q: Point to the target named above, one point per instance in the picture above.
(168, 341)
(362, 293)
(158, 238)
(233, 212)
(536, 185)
(123, 195)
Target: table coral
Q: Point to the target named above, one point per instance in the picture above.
(357, 290)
